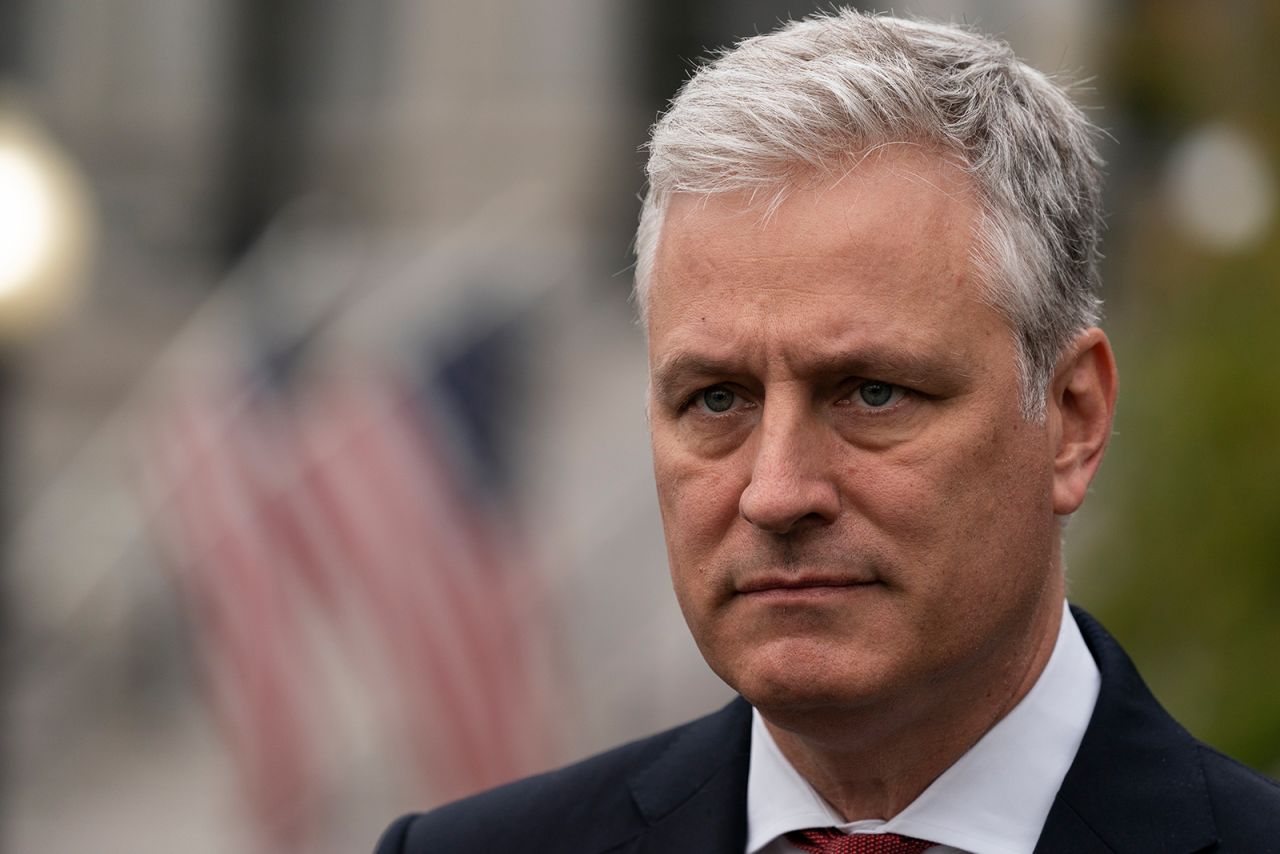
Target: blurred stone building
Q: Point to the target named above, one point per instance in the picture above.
(293, 186)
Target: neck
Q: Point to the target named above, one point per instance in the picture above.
(872, 762)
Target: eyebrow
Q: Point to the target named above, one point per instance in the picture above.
(888, 362)
(676, 369)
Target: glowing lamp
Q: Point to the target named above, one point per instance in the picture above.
(46, 229)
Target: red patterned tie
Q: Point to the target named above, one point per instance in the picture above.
(828, 841)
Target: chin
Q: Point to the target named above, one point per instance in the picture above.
(799, 681)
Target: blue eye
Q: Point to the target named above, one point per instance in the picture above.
(877, 394)
(717, 398)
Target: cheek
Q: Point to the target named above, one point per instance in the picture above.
(961, 494)
(699, 506)
(699, 502)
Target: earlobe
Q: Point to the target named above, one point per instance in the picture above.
(1081, 405)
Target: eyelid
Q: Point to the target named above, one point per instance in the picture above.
(848, 394)
(854, 384)
(694, 400)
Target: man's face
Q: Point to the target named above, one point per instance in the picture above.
(856, 511)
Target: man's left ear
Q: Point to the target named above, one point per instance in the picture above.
(1081, 404)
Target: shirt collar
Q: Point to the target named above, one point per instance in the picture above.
(993, 800)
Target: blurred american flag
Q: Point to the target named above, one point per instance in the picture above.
(358, 502)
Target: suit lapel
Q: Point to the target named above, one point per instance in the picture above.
(1065, 832)
(694, 796)
(1137, 785)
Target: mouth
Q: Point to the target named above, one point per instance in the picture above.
(791, 587)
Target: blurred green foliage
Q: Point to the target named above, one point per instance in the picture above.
(1180, 548)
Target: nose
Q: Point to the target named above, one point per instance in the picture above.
(791, 477)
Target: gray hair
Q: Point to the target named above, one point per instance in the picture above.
(818, 92)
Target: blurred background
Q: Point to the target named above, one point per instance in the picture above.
(326, 492)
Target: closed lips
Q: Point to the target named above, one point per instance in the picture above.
(762, 584)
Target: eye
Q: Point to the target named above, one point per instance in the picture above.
(717, 398)
(873, 394)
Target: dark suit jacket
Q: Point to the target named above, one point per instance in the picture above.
(1140, 784)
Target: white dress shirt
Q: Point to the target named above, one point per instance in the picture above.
(993, 800)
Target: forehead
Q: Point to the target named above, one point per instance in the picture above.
(894, 192)
(881, 253)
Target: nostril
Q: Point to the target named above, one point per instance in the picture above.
(805, 505)
(811, 520)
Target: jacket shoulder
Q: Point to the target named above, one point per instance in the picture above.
(587, 806)
(1246, 804)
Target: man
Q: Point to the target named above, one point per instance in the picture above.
(867, 266)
